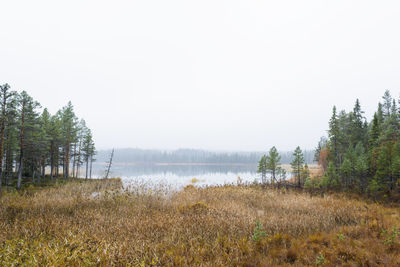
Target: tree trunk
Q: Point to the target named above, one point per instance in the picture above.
(43, 167)
(58, 165)
(74, 162)
(87, 167)
(20, 169)
(66, 160)
(3, 123)
(91, 163)
(21, 144)
(51, 159)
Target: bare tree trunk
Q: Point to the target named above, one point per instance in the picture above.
(109, 164)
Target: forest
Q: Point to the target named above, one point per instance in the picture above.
(357, 156)
(361, 155)
(34, 143)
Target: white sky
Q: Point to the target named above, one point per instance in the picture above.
(221, 75)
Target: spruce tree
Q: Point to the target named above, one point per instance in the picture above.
(387, 104)
(334, 136)
(357, 126)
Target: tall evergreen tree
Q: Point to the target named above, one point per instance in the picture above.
(5, 96)
(334, 137)
(387, 104)
(262, 168)
(357, 124)
(69, 134)
(297, 165)
(28, 119)
(272, 162)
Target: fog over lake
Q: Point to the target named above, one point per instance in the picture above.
(179, 167)
(180, 175)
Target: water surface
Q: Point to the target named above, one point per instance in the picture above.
(179, 175)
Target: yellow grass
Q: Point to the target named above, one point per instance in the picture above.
(97, 223)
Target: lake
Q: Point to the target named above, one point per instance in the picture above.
(179, 175)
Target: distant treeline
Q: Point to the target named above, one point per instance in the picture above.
(135, 155)
(32, 140)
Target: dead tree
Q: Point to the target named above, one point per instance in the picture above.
(109, 163)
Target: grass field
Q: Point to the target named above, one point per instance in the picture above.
(97, 223)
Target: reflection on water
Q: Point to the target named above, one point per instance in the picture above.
(181, 175)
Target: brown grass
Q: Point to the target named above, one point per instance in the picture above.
(97, 223)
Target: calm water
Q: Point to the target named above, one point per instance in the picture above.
(180, 175)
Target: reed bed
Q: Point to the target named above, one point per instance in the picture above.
(98, 223)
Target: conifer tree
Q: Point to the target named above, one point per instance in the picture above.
(297, 165)
(87, 147)
(331, 177)
(5, 96)
(27, 126)
(357, 125)
(272, 162)
(387, 104)
(262, 168)
(334, 133)
(69, 134)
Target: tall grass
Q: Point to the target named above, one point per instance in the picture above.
(99, 223)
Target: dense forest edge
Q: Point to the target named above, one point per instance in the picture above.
(356, 156)
(32, 140)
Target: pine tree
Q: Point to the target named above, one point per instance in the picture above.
(262, 168)
(55, 143)
(27, 126)
(69, 135)
(11, 136)
(5, 97)
(297, 164)
(272, 162)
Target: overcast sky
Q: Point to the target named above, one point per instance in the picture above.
(220, 75)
